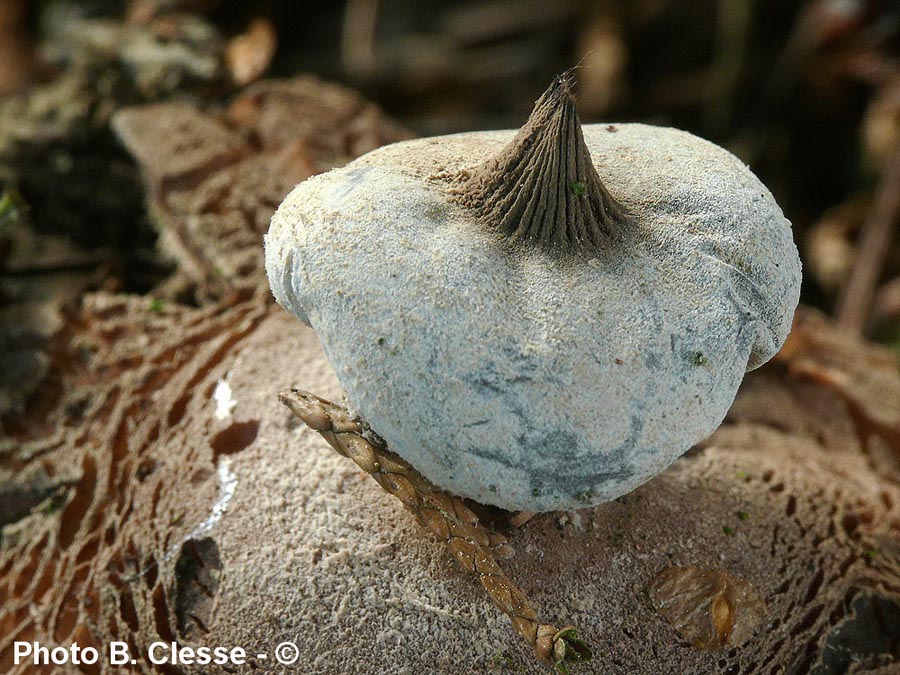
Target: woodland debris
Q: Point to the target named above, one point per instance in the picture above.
(711, 609)
(820, 539)
(473, 546)
(878, 233)
(215, 179)
(249, 54)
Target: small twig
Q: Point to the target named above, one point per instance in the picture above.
(855, 301)
(358, 37)
(473, 545)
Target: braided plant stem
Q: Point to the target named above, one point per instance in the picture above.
(474, 546)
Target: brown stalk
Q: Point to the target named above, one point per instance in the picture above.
(473, 546)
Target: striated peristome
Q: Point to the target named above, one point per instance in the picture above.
(542, 319)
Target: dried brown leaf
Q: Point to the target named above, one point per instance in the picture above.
(709, 608)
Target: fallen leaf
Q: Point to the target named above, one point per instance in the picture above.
(711, 609)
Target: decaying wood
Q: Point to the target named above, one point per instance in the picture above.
(214, 180)
(117, 466)
(151, 490)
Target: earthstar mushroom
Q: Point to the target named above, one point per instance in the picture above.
(542, 319)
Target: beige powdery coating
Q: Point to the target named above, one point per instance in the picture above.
(531, 376)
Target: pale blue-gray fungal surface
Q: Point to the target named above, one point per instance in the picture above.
(530, 350)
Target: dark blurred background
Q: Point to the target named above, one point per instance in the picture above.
(807, 92)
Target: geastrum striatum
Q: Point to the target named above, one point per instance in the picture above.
(539, 319)
(542, 319)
